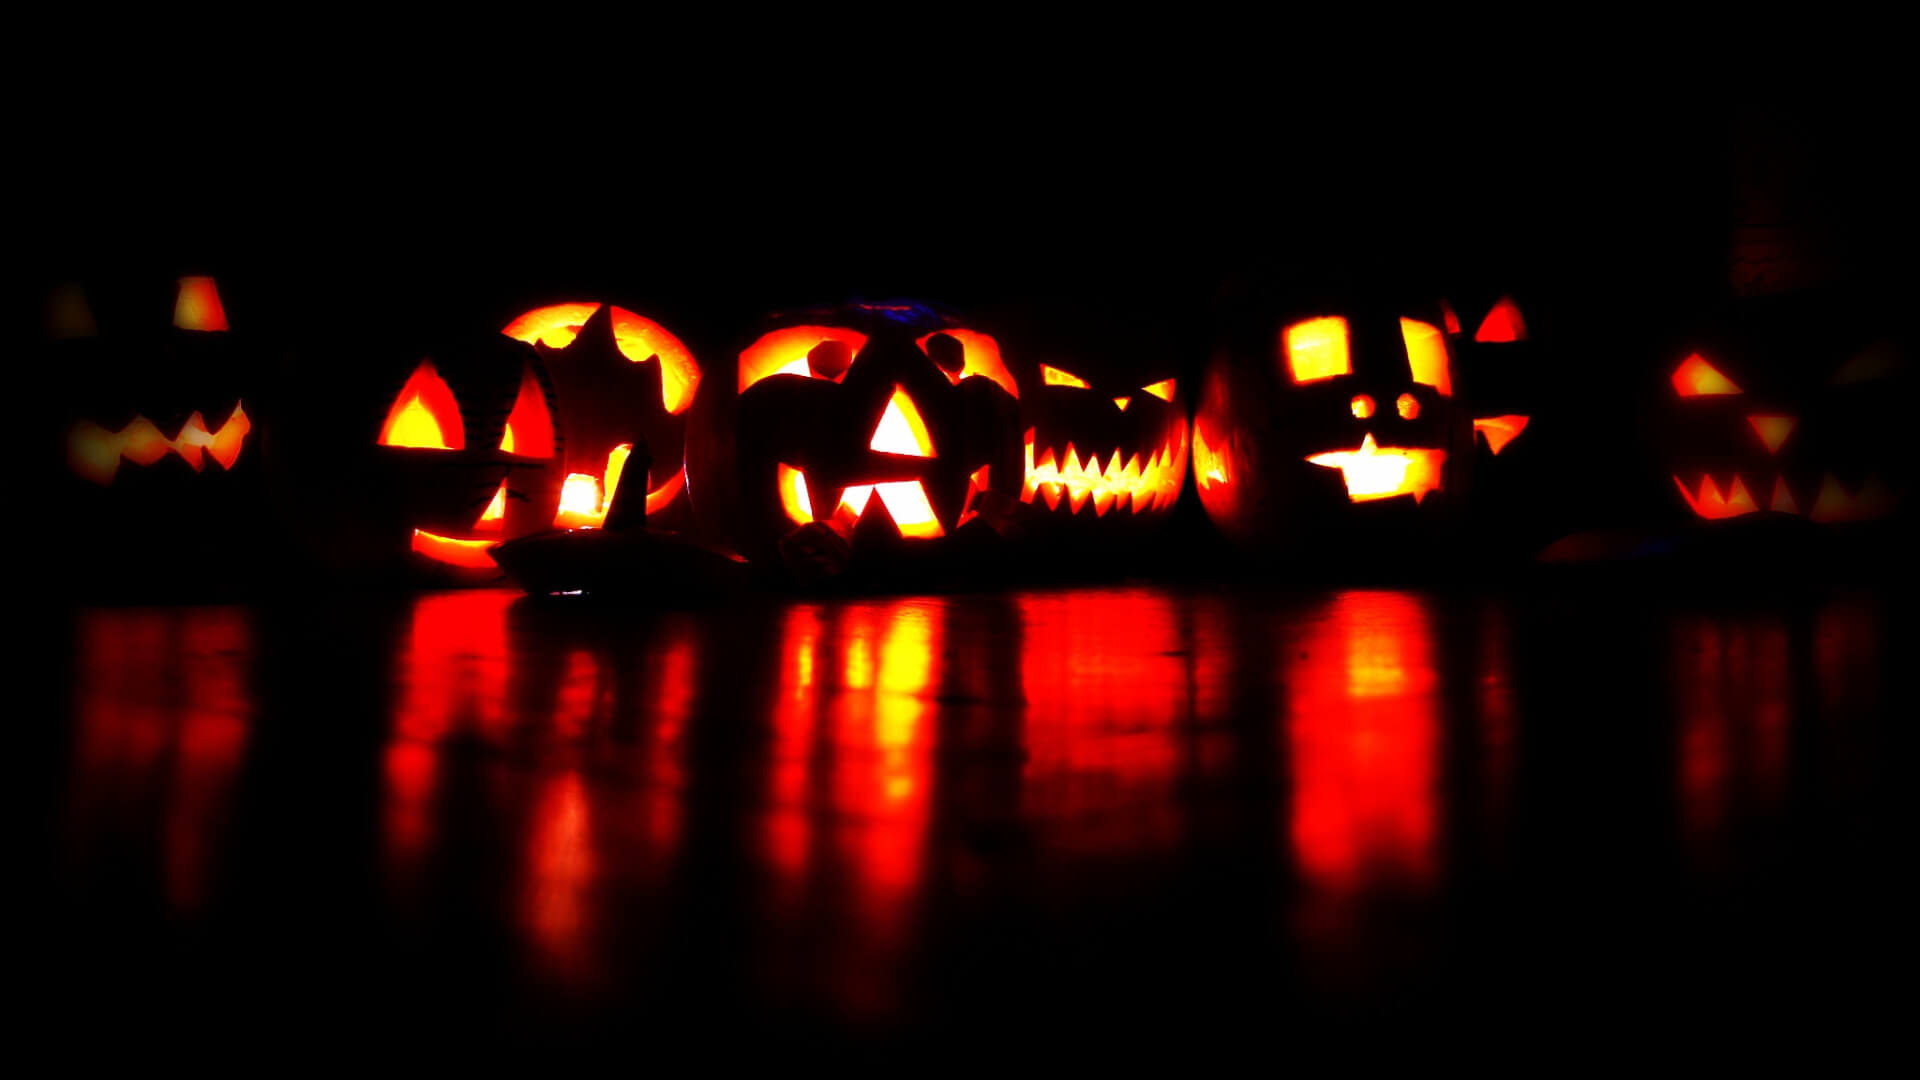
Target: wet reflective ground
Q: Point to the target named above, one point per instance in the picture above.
(1117, 821)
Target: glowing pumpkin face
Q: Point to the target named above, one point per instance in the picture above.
(618, 377)
(889, 424)
(162, 478)
(1329, 414)
(1103, 439)
(172, 405)
(1793, 405)
(469, 454)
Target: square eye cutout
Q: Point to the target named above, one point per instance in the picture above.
(1316, 349)
(1427, 355)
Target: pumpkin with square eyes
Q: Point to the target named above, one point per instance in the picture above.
(1333, 415)
(619, 379)
(1786, 405)
(892, 426)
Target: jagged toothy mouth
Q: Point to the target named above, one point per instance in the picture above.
(1830, 502)
(1065, 476)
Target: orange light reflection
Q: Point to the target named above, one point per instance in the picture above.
(1363, 737)
(163, 711)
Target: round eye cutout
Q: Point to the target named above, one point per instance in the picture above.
(1409, 407)
(977, 354)
(1362, 407)
(1697, 378)
(798, 350)
(1053, 376)
(425, 415)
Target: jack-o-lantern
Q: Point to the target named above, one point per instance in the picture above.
(1332, 416)
(160, 476)
(1104, 439)
(1790, 405)
(618, 377)
(879, 432)
(152, 400)
(421, 462)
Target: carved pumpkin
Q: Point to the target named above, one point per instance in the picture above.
(1104, 439)
(617, 376)
(1790, 405)
(156, 439)
(889, 426)
(150, 397)
(1335, 415)
(423, 463)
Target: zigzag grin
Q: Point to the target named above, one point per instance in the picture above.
(1069, 478)
(1831, 502)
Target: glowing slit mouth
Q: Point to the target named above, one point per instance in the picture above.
(95, 453)
(1068, 478)
(1832, 502)
(1373, 472)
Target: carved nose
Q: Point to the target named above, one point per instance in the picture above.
(1773, 430)
(1122, 402)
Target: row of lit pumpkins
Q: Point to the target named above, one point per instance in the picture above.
(895, 425)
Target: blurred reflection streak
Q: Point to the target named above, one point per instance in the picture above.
(163, 710)
(1498, 728)
(1363, 719)
(1732, 687)
(1107, 681)
(451, 678)
(849, 785)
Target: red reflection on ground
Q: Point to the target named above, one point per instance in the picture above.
(560, 868)
(849, 782)
(451, 678)
(1362, 707)
(1732, 690)
(1105, 674)
(162, 713)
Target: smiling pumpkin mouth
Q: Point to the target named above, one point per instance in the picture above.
(1067, 477)
(582, 506)
(1382, 472)
(1830, 502)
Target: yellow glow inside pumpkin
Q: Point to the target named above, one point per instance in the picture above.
(425, 415)
(901, 429)
(1372, 472)
(1316, 349)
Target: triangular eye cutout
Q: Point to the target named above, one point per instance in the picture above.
(1162, 389)
(424, 414)
(901, 430)
(1503, 323)
(1697, 378)
(197, 305)
(529, 426)
(1053, 376)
